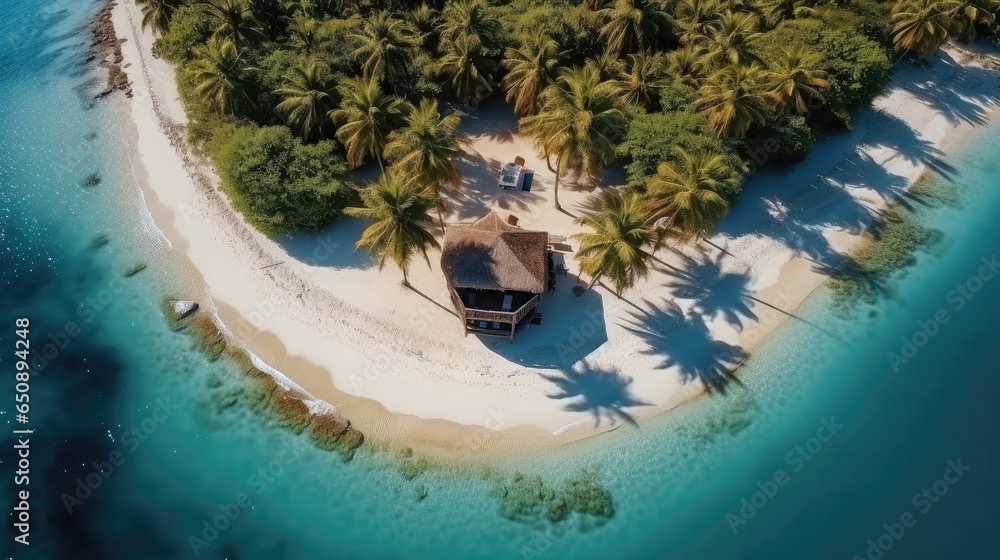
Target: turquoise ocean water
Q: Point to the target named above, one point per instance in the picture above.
(699, 483)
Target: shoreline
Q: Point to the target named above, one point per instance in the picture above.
(473, 400)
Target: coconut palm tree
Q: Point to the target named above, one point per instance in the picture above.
(730, 40)
(531, 69)
(400, 214)
(687, 65)
(466, 67)
(308, 98)
(271, 15)
(366, 117)
(970, 14)
(233, 19)
(218, 75)
(633, 25)
(685, 197)
(156, 14)
(794, 77)
(425, 20)
(462, 18)
(304, 33)
(386, 46)
(776, 11)
(607, 66)
(578, 123)
(732, 100)
(697, 19)
(613, 248)
(922, 26)
(639, 85)
(425, 149)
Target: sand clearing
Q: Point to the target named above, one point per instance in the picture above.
(395, 360)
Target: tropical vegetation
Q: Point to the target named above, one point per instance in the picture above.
(399, 213)
(690, 95)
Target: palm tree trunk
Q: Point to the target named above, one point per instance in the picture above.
(406, 281)
(378, 158)
(593, 281)
(440, 219)
(558, 169)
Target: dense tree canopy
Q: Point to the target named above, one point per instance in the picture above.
(720, 81)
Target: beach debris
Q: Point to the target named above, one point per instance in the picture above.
(99, 240)
(133, 269)
(92, 180)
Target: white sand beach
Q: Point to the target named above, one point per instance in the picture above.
(395, 361)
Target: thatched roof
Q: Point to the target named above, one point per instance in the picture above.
(493, 255)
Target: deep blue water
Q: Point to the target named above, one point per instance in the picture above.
(678, 481)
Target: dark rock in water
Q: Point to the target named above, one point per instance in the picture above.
(99, 241)
(92, 181)
(90, 136)
(133, 269)
(107, 50)
(180, 309)
(332, 432)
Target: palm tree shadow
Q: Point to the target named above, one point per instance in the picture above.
(953, 97)
(685, 342)
(714, 290)
(434, 301)
(494, 119)
(605, 394)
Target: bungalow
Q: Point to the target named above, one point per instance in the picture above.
(496, 273)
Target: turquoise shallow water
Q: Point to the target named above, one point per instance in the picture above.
(677, 481)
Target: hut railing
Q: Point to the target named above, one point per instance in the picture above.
(526, 308)
(502, 316)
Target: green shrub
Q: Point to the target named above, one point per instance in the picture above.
(653, 138)
(677, 97)
(189, 28)
(778, 140)
(279, 184)
(858, 67)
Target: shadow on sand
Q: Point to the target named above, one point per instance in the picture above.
(714, 290)
(333, 247)
(775, 206)
(684, 341)
(572, 327)
(605, 394)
